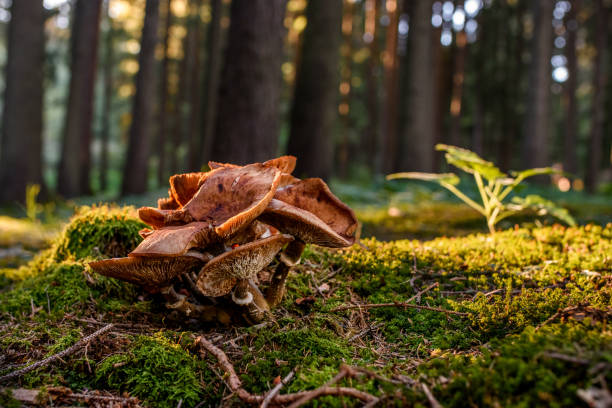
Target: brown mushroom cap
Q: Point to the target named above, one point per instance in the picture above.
(286, 164)
(167, 203)
(158, 218)
(175, 241)
(184, 186)
(152, 272)
(308, 210)
(304, 225)
(218, 277)
(230, 198)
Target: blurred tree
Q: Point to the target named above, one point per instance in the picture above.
(595, 146)
(390, 63)
(195, 88)
(21, 146)
(570, 155)
(314, 107)
(75, 160)
(247, 123)
(210, 83)
(164, 105)
(459, 56)
(417, 141)
(107, 97)
(537, 126)
(372, 143)
(135, 171)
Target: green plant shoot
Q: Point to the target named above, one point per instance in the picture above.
(493, 185)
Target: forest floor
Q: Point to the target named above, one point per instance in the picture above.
(518, 318)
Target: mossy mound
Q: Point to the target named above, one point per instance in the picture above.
(519, 318)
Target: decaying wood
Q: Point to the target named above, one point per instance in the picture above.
(50, 359)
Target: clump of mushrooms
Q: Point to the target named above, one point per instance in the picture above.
(219, 229)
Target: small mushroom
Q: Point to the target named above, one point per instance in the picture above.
(223, 272)
(150, 272)
(175, 241)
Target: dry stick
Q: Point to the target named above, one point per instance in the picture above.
(399, 304)
(235, 384)
(427, 289)
(274, 391)
(432, 400)
(315, 393)
(46, 361)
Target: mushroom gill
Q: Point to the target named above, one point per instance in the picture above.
(220, 275)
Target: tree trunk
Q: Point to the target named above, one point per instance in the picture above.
(570, 157)
(162, 122)
(247, 122)
(75, 161)
(211, 79)
(314, 107)
(417, 136)
(107, 72)
(537, 127)
(21, 146)
(193, 128)
(390, 62)
(594, 156)
(136, 164)
(372, 143)
(457, 90)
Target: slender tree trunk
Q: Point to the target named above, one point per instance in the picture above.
(180, 104)
(314, 107)
(570, 157)
(136, 164)
(390, 62)
(537, 127)
(75, 161)
(343, 146)
(162, 122)
(459, 56)
(372, 143)
(107, 72)
(211, 79)
(21, 145)
(417, 147)
(193, 129)
(598, 113)
(248, 109)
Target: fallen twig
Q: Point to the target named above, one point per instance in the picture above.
(430, 397)
(427, 289)
(46, 361)
(274, 391)
(235, 385)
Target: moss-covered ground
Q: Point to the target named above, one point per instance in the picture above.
(527, 321)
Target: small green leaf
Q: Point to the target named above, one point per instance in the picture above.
(449, 178)
(470, 162)
(543, 206)
(534, 172)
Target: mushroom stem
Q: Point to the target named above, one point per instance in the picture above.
(257, 309)
(241, 294)
(288, 259)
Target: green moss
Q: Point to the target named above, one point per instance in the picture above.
(58, 279)
(103, 231)
(158, 370)
(7, 400)
(522, 370)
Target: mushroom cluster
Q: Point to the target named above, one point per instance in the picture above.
(211, 238)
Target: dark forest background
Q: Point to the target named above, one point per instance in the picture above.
(113, 96)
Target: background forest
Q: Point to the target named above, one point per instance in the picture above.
(113, 96)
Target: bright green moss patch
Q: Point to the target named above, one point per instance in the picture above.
(102, 231)
(157, 370)
(543, 367)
